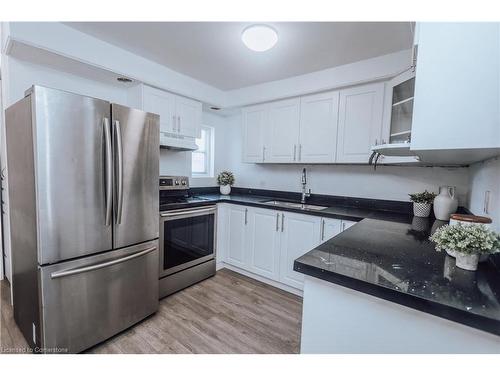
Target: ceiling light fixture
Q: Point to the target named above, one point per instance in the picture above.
(259, 37)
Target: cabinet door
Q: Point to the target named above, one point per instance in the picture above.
(188, 118)
(254, 121)
(398, 113)
(162, 103)
(346, 224)
(457, 87)
(329, 228)
(299, 234)
(282, 138)
(236, 244)
(263, 242)
(360, 122)
(318, 127)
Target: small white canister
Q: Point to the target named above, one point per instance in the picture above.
(468, 220)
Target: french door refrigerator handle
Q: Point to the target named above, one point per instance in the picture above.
(109, 172)
(119, 172)
(58, 274)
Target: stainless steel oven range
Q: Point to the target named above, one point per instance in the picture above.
(187, 236)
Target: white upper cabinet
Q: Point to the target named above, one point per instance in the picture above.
(282, 136)
(457, 88)
(318, 127)
(331, 127)
(188, 117)
(161, 103)
(254, 122)
(179, 116)
(360, 122)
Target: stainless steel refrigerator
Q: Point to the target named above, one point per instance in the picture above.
(83, 189)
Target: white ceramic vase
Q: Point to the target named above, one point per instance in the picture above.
(421, 209)
(467, 261)
(445, 203)
(225, 189)
(451, 253)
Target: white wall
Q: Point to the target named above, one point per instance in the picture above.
(387, 182)
(23, 75)
(222, 139)
(485, 176)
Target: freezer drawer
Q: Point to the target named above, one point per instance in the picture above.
(88, 300)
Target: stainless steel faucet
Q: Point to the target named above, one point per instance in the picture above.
(304, 187)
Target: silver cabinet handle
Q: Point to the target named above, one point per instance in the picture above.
(173, 123)
(246, 216)
(263, 153)
(300, 152)
(74, 271)
(322, 229)
(179, 124)
(343, 226)
(294, 152)
(277, 221)
(119, 172)
(282, 222)
(109, 172)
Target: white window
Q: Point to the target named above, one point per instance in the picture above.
(203, 158)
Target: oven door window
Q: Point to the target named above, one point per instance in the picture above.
(187, 239)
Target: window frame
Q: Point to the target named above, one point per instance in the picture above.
(210, 151)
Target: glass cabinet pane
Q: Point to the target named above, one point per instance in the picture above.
(402, 111)
(403, 91)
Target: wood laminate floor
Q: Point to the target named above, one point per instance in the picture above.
(228, 313)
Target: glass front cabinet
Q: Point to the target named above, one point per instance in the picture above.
(398, 113)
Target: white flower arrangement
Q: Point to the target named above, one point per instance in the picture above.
(225, 178)
(466, 239)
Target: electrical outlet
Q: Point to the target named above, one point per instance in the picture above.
(486, 203)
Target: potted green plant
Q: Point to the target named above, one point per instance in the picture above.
(467, 242)
(422, 203)
(225, 179)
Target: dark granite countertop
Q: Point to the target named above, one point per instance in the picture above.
(354, 209)
(396, 261)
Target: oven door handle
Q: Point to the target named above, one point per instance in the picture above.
(187, 212)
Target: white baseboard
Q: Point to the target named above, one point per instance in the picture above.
(265, 280)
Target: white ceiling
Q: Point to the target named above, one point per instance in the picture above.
(212, 52)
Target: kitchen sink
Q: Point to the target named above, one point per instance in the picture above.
(299, 206)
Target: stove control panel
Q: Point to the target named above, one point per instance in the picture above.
(174, 183)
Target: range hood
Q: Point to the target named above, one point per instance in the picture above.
(394, 149)
(437, 157)
(177, 142)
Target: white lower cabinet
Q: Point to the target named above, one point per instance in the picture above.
(346, 224)
(299, 234)
(236, 236)
(263, 242)
(329, 228)
(266, 242)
